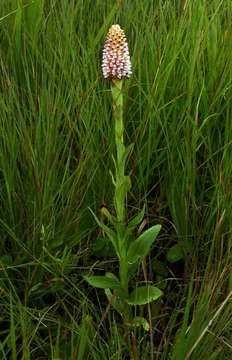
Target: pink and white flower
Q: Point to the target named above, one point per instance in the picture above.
(116, 59)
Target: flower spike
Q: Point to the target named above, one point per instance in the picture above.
(116, 59)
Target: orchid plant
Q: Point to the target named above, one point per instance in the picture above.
(129, 249)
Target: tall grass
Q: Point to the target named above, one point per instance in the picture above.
(56, 137)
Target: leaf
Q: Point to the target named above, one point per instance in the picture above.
(110, 233)
(111, 297)
(121, 293)
(139, 321)
(119, 305)
(112, 178)
(127, 153)
(141, 246)
(111, 276)
(112, 219)
(102, 282)
(122, 186)
(144, 295)
(136, 220)
(175, 253)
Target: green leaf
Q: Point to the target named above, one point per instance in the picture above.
(126, 154)
(112, 178)
(112, 219)
(142, 245)
(122, 186)
(111, 276)
(118, 304)
(110, 233)
(144, 295)
(121, 293)
(136, 220)
(139, 321)
(175, 253)
(102, 282)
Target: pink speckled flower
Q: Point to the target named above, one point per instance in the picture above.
(116, 59)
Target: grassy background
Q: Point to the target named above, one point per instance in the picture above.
(56, 140)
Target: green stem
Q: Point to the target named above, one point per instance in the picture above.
(120, 180)
(123, 269)
(120, 195)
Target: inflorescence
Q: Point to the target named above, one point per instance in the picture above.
(116, 59)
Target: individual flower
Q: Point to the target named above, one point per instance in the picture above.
(116, 59)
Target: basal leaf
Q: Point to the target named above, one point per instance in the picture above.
(102, 282)
(144, 295)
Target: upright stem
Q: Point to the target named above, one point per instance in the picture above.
(120, 179)
(120, 196)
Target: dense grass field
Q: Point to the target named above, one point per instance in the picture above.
(56, 145)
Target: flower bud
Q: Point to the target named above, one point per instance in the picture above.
(116, 59)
